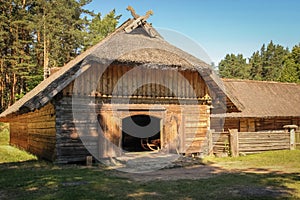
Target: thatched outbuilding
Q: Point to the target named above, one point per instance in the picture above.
(264, 105)
(94, 103)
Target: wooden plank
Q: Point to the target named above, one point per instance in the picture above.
(115, 89)
(110, 80)
(262, 149)
(119, 78)
(234, 142)
(197, 85)
(170, 84)
(104, 81)
(175, 83)
(284, 144)
(297, 139)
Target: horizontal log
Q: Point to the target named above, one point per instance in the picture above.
(196, 139)
(47, 124)
(277, 137)
(262, 149)
(64, 159)
(286, 144)
(196, 125)
(257, 134)
(264, 142)
(41, 119)
(42, 131)
(189, 133)
(45, 138)
(195, 130)
(68, 151)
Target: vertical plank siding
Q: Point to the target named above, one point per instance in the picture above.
(297, 139)
(35, 132)
(161, 83)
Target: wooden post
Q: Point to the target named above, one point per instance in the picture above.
(292, 140)
(291, 129)
(234, 142)
(89, 161)
(210, 142)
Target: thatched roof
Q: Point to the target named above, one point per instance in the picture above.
(264, 98)
(143, 46)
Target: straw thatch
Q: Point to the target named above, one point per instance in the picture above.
(135, 47)
(263, 99)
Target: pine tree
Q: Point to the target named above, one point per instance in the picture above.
(272, 61)
(291, 66)
(234, 66)
(38, 34)
(255, 63)
(59, 30)
(99, 28)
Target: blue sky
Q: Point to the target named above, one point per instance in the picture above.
(219, 26)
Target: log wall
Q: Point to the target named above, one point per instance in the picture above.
(253, 124)
(35, 132)
(72, 118)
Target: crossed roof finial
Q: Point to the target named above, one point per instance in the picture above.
(133, 13)
(136, 16)
(140, 21)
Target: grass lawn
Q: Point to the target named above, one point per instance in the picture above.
(9, 153)
(35, 179)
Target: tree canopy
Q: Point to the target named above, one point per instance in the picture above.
(36, 35)
(271, 63)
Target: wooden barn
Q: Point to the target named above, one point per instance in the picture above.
(263, 105)
(132, 78)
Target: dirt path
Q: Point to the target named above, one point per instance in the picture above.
(196, 171)
(148, 167)
(189, 172)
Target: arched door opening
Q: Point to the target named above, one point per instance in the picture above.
(141, 133)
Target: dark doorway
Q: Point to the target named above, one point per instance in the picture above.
(141, 133)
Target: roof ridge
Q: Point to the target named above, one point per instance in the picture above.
(256, 81)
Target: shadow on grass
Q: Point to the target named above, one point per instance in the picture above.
(43, 180)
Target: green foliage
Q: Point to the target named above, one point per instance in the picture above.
(9, 153)
(4, 134)
(234, 67)
(99, 28)
(271, 159)
(255, 63)
(38, 35)
(271, 63)
(291, 66)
